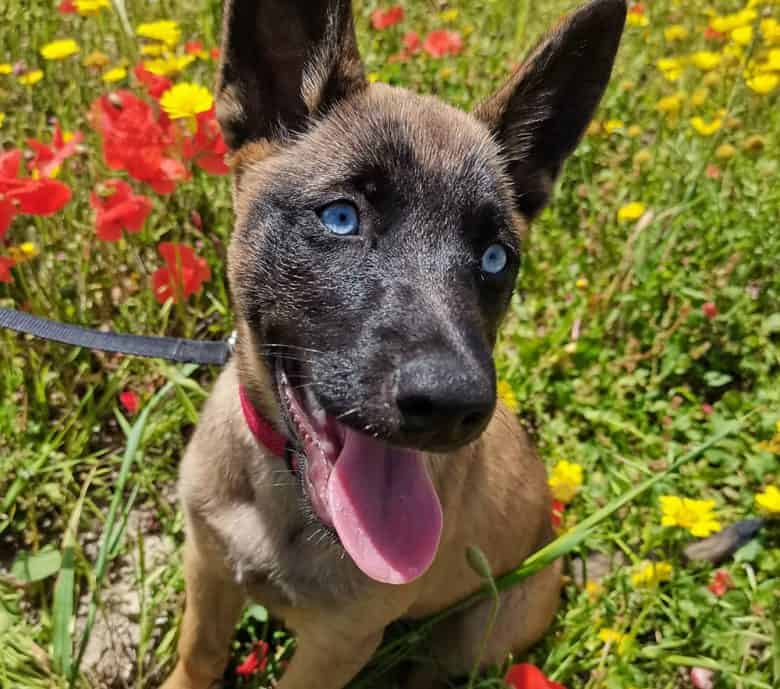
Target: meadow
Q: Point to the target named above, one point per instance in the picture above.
(642, 348)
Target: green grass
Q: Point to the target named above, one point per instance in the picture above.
(606, 350)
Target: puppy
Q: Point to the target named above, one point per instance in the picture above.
(353, 448)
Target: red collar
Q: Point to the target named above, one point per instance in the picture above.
(261, 428)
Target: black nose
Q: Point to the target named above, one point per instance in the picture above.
(443, 402)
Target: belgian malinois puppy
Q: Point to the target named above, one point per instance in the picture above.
(354, 448)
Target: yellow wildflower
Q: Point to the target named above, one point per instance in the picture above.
(675, 32)
(729, 22)
(614, 638)
(699, 96)
(114, 74)
(153, 49)
(634, 131)
(642, 156)
(2, 118)
(697, 516)
(611, 126)
(165, 66)
(593, 589)
(24, 252)
(184, 101)
(770, 31)
(652, 574)
(166, 31)
(59, 50)
(772, 63)
(95, 59)
(631, 211)
(706, 60)
(507, 396)
(449, 15)
(565, 481)
(30, 78)
(763, 83)
(582, 283)
(769, 500)
(706, 128)
(373, 77)
(743, 35)
(669, 104)
(6, 68)
(712, 79)
(637, 19)
(87, 8)
(725, 152)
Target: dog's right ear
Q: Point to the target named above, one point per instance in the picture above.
(282, 62)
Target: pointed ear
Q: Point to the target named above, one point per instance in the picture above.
(281, 62)
(539, 115)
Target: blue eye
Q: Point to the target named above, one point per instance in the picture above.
(340, 218)
(494, 259)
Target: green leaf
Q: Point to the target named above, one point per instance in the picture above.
(30, 567)
(772, 324)
(716, 379)
(256, 612)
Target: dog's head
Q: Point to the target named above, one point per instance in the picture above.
(377, 242)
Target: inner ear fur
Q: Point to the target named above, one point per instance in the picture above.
(541, 112)
(282, 62)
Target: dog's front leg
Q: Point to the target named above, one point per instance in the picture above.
(212, 608)
(327, 657)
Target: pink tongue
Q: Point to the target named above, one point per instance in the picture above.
(385, 509)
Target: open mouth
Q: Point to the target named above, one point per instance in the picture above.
(379, 499)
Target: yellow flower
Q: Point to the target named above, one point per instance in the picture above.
(87, 8)
(706, 60)
(706, 128)
(166, 31)
(634, 130)
(507, 396)
(697, 516)
(24, 252)
(96, 59)
(729, 22)
(699, 96)
(631, 211)
(166, 66)
(772, 63)
(642, 156)
(652, 574)
(59, 50)
(763, 83)
(449, 15)
(593, 589)
(30, 78)
(565, 481)
(614, 638)
(725, 152)
(743, 35)
(770, 31)
(611, 126)
(671, 67)
(769, 500)
(6, 68)
(114, 74)
(2, 118)
(373, 77)
(637, 19)
(675, 32)
(185, 100)
(153, 49)
(669, 104)
(582, 283)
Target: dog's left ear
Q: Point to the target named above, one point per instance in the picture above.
(541, 112)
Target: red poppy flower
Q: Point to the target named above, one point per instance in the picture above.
(130, 401)
(117, 209)
(183, 274)
(443, 42)
(66, 7)
(207, 148)
(713, 171)
(214, 53)
(384, 18)
(709, 309)
(527, 676)
(411, 41)
(155, 84)
(558, 508)
(712, 35)
(256, 661)
(48, 158)
(193, 47)
(5, 269)
(26, 195)
(721, 582)
(637, 8)
(137, 141)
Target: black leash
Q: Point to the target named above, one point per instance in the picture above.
(171, 348)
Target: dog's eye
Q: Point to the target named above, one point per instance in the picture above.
(494, 259)
(340, 218)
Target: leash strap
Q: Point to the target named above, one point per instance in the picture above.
(171, 348)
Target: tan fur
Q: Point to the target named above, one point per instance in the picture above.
(493, 493)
